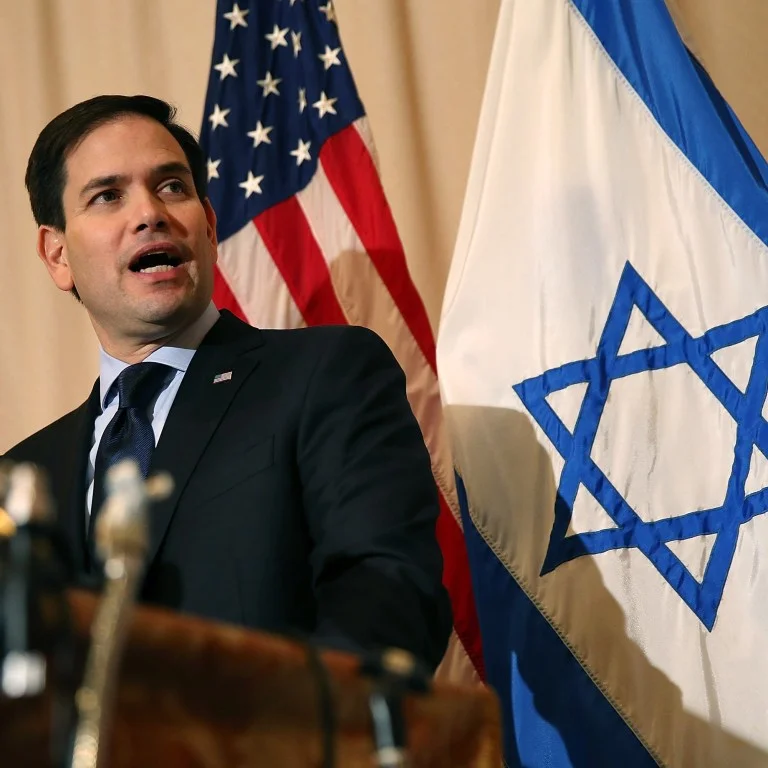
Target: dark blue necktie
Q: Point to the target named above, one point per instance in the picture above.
(129, 434)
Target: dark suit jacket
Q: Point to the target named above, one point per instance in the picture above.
(304, 499)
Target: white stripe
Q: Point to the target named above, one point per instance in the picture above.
(456, 666)
(366, 301)
(256, 282)
(363, 127)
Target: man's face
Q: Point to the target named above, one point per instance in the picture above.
(139, 245)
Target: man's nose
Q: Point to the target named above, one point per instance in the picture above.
(151, 213)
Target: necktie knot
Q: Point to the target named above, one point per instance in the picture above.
(138, 384)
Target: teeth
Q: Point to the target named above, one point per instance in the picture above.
(158, 268)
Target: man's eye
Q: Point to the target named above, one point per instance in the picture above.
(107, 196)
(175, 186)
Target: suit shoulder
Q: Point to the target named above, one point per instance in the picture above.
(40, 443)
(323, 337)
(352, 347)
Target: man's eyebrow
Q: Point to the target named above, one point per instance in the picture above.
(100, 182)
(115, 179)
(175, 166)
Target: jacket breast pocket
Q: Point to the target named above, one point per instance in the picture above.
(220, 475)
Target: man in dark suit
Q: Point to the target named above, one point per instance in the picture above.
(304, 500)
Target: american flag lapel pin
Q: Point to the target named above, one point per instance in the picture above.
(219, 377)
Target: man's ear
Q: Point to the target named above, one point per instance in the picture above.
(210, 216)
(52, 249)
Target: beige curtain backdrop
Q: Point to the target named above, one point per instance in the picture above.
(420, 67)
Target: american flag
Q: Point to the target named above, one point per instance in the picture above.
(306, 236)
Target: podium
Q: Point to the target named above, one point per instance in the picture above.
(194, 694)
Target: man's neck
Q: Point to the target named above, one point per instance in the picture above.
(136, 350)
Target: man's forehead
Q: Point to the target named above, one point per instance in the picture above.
(124, 140)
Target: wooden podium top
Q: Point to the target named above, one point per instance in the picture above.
(197, 694)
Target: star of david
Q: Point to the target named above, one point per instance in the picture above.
(651, 538)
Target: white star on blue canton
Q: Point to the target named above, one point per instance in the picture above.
(236, 17)
(213, 168)
(261, 134)
(296, 42)
(301, 153)
(330, 57)
(269, 84)
(329, 11)
(277, 37)
(218, 117)
(227, 67)
(252, 185)
(324, 105)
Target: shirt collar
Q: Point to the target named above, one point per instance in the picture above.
(177, 355)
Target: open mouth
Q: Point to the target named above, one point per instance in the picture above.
(156, 261)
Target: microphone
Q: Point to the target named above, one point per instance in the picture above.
(395, 674)
(26, 564)
(36, 643)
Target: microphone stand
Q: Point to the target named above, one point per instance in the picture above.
(121, 543)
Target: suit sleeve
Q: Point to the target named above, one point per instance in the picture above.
(371, 504)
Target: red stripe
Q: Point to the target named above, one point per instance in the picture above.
(286, 233)
(223, 297)
(353, 176)
(457, 580)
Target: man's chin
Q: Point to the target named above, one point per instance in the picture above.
(170, 313)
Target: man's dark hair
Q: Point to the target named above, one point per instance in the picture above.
(46, 169)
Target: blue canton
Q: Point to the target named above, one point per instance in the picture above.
(598, 372)
(279, 87)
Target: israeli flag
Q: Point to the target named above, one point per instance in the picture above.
(603, 360)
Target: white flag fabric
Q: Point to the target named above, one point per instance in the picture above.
(603, 360)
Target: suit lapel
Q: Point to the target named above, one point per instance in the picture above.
(205, 394)
(70, 479)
